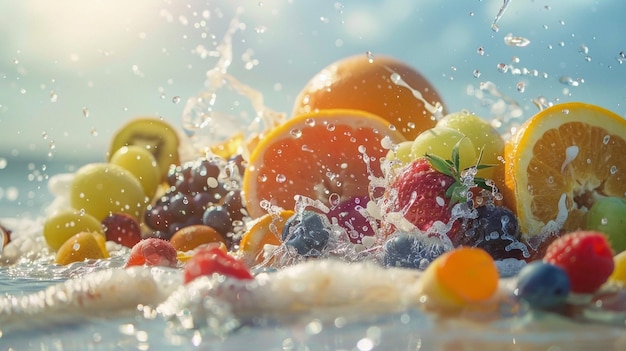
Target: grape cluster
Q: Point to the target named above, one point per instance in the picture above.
(204, 191)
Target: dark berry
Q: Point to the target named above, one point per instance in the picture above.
(122, 228)
(349, 215)
(542, 285)
(234, 204)
(411, 251)
(218, 218)
(495, 230)
(308, 232)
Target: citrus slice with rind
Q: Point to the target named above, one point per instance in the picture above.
(559, 162)
(317, 155)
(266, 230)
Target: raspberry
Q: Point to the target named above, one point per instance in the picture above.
(586, 257)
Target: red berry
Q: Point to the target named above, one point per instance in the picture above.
(587, 258)
(122, 228)
(212, 260)
(153, 252)
(419, 193)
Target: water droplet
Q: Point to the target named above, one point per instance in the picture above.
(510, 40)
(280, 178)
(476, 73)
(310, 122)
(53, 96)
(85, 112)
(521, 87)
(613, 169)
(176, 99)
(583, 49)
(330, 127)
(568, 81)
(480, 51)
(606, 139)
(503, 68)
(370, 56)
(604, 221)
(295, 132)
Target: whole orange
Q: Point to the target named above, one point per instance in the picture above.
(380, 85)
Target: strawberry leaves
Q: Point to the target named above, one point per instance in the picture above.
(458, 190)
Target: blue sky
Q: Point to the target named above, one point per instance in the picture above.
(71, 73)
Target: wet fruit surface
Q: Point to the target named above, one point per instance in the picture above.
(292, 161)
(373, 84)
(586, 257)
(559, 162)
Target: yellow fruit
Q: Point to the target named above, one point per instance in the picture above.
(154, 134)
(559, 162)
(190, 237)
(460, 278)
(440, 141)
(61, 226)
(142, 164)
(483, 136)
(101, 189)
(619, 273)
(82, 246)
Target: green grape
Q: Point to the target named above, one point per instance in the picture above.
(142, 164)
(61, 226)
(401, 153)
(608, 215)
(482, 135)
(101, 189)
(440, 141)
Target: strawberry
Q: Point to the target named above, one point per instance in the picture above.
(425, 192)
(586, 257)
(212, 260)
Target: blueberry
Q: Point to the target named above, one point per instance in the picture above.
(542, 285)
(307, 232)
(411, 251)
(496, 230)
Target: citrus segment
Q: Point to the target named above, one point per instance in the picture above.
(560, 162)
(264, 231)
(377, 85)
(317, 155)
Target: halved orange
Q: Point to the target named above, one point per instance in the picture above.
(560, 161)
(379, 84)
(316, 155)
(266, 230)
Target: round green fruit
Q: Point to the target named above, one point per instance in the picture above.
(482, 135)
(61, 226)
(608, 215)
(440, 141)
(101, 189)
(142, 164)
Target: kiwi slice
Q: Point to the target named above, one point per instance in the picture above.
(156, 135)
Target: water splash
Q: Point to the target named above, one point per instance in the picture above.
(494, 24)
(201, 120)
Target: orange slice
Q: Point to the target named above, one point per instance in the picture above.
(380, 85)
(559, 162)
(267, 230)
(316, 155)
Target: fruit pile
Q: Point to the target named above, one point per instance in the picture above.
(370, 167)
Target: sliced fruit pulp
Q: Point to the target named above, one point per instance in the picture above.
(316, 155)
(560, 161)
